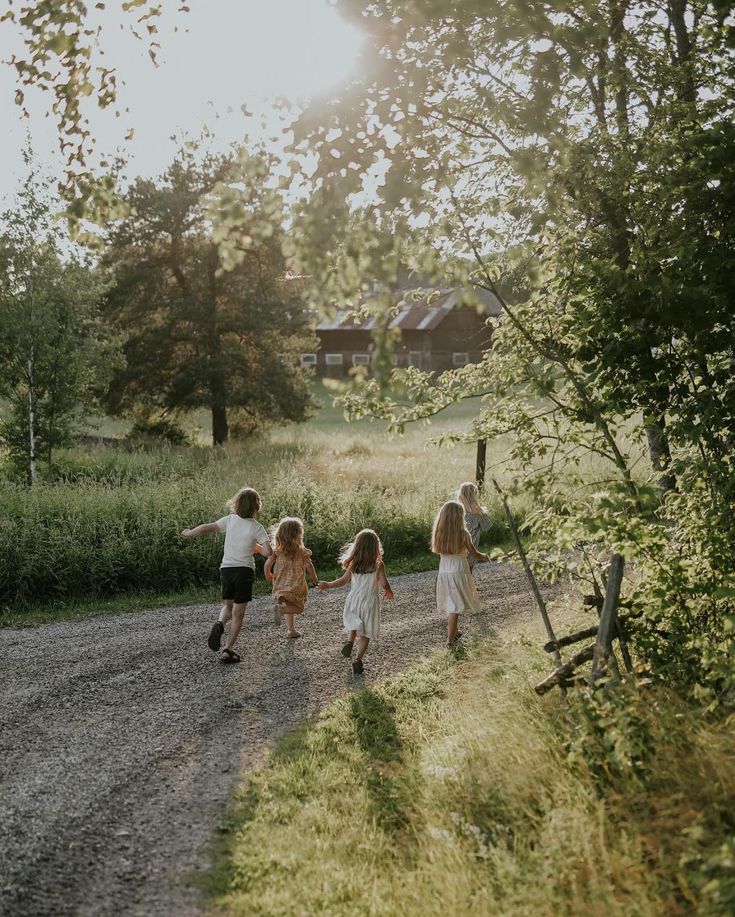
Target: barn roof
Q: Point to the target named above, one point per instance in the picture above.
(416, 314)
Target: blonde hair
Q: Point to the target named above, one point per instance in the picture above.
(245, 503)
(468, 495)
(449, 534)
(288, 536)
(363, 553)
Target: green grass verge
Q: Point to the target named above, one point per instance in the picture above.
(454, 789)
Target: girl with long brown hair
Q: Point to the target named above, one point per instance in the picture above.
(362, 561)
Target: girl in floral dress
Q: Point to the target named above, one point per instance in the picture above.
(286, 568)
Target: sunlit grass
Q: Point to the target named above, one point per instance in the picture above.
(454, 789)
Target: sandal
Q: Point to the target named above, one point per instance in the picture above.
(357, 667)
(215, 636)
(229, 656)
(347, 650)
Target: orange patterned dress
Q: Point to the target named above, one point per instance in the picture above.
(289, 579)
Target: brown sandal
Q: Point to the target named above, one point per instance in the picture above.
(229, 656)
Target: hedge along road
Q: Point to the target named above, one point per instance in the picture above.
(122, 738)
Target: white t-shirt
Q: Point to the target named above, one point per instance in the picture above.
(241, 536)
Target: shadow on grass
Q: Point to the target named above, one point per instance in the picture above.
(378, 737)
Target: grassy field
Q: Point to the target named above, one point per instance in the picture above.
(104, 533)
(454, 789)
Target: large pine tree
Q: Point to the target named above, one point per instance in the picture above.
(200, 332)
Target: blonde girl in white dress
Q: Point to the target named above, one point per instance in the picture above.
(456, 592)
(362, 560)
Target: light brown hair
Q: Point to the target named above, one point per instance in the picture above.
(245, 503)
(288, 536)
(468, 496)
(449, 534)
(363, 553)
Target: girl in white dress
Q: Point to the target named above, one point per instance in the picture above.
(456, 592)
(362, 560)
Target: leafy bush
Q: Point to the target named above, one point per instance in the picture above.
(158, 429)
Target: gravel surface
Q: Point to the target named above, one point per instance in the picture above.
(122, 738)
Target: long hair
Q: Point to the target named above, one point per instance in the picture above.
(363, 553)
(468, 495)
(449, 534)
(288, 536)
(245, 503)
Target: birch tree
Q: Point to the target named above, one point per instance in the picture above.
(54, 352)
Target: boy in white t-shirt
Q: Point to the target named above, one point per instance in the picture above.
(244, 537)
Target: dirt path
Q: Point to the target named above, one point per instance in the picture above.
(121, 738)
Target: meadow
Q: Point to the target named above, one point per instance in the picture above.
(454, 789)
(105, 529)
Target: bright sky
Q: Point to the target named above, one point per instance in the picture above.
(225, 54)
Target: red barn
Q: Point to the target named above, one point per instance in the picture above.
(437, 333)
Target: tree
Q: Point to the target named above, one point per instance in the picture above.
(54, 354)
(202, 329)
(587, 150)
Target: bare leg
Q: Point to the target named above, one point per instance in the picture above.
(226, 612)
(353, 634)
(238, 613)
(289, 614)
(362, 645)
(452, 623)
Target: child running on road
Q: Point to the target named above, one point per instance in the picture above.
(286, 569)
(456, 592)
(244, 536)
(475, 516)
(362, 560)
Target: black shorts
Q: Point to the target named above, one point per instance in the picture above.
(237, 583)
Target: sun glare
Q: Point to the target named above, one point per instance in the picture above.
(214, 61)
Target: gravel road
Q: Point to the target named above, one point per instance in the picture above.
(122, 738)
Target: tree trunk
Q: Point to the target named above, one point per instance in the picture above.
(480, 463)
(32, 459)
(220, 428)
(659, 451)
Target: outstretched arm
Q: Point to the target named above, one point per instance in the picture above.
(336, 583)
(268, 568)
(478, 555)
(207, 528)
(311, 571)
(383, 580)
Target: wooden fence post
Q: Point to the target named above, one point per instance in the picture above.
(529, 574)
(480, 462)
(608, 628)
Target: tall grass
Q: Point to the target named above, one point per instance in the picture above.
(110, 522)
(455, 790)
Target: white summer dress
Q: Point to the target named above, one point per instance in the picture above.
(456, 592)
(362, 606)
